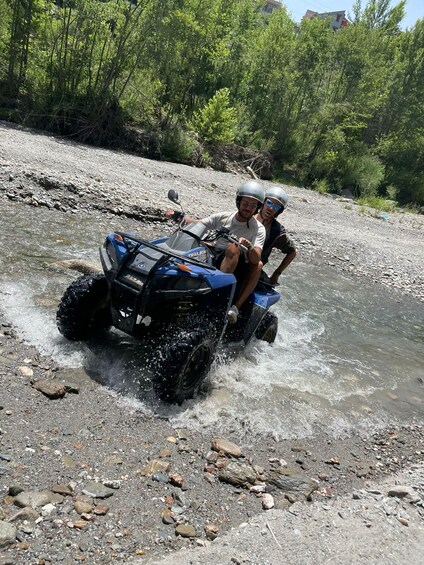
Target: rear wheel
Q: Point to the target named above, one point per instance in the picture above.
(181, 365)
(84, 308)
(268, 328)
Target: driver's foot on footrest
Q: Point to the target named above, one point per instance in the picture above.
(232, 314)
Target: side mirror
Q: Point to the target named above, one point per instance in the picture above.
(173, 196)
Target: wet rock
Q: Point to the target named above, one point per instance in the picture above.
(226, 447)
(50, 389)
(7, 534)
(81, 265)
(237, 475)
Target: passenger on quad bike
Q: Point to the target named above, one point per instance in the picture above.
(245, 265)
(276, 236)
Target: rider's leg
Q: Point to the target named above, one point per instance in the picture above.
(231, 258)
(249, 284)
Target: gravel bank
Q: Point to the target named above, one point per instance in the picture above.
(110, 483)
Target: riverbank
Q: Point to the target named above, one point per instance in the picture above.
(150, 478)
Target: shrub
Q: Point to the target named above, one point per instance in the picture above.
(365, 173)
(216, 122)
(177, 145)
(322, 186)
(378, 203)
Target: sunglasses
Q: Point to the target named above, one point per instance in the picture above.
(275, 207)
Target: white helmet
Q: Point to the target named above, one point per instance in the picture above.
(251, 189)
(278, 194)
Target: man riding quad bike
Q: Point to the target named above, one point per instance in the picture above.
(168, 292)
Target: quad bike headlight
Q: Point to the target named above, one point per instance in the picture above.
(182, 283)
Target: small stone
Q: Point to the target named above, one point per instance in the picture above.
(403, 521)
(7, 534)
(101, 509)
(155, 466)
(226, 447)
(115, 483)
(176, 479)
(167, 516)
(403, 492)
(64, 490)
(14, 490)
(27, 513)
(97, 490)
(237, 475)
(160, 477)
(211, 531)
(81, 507)
(267, 501)
(48, 509)
(31, 499)
(71, 388)
(80, 524)
(50, 389)
(185, 531)
(26, 371)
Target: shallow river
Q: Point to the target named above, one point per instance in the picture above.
(348, 357)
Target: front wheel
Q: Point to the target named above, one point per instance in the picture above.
(84, 308)
(268, 328)
(181, 364)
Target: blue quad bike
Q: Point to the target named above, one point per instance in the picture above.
(168, 292)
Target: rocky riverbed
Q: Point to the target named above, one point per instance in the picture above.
(86, 476)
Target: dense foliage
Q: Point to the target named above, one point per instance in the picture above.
(340, 109)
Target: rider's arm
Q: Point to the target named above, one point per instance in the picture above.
(178, 216)
(285, 244)
(283, 266)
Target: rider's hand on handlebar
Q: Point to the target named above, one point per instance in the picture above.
(175, 215)
(244, 243)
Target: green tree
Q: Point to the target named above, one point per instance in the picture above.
(216, 121)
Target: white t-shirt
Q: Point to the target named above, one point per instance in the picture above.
(255, 233)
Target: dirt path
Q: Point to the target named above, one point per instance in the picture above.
(150, 478)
